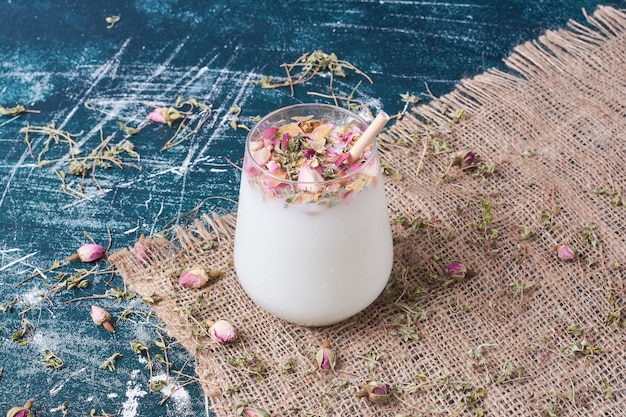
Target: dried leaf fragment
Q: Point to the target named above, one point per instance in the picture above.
(111, 21)
(12, 111)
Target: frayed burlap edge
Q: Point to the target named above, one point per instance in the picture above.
(525, 333)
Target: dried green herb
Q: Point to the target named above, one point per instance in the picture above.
(574, 330)
(606, 390)
(190, 113)
(152, 299)
(138, 346)
(8, 307)
(109, 363)
(486, 216)
(251, 363)
(111, 21)
(131, 130)
(528, 153)
(409, 98)
(477, 356)
(615, 193)
(526, 232)
(589, 234)
(120, 294)
(235, 111)
(63, 408)
(311, 64)
(103, 156)
(51, 360)
(158, 385)
(581, 347)
(19, 336)
(509, 372)
(458, 115)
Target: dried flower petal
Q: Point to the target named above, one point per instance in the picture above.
(157, 115)
(309, 179)
(196, 277)
(88, 253)
(253, 412)
(223, 331)
(260, 154)
(317, 138)
(270, 133)
(326, 357)
(456, 270)
(565, 253)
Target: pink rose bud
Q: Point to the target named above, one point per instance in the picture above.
(157, 115)
(196, 277)
(456, 270)
(222, 331)
(376, 392)
(253, 412)
(88, 253)
(464, 158)
(102, 318)
(23, 411)
(326, 357)
(565, 253)
(165, 115)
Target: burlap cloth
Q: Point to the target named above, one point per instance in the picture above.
(528, 334)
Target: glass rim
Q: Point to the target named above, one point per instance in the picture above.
(331, 107)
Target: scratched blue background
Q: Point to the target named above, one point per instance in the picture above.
(59, 58)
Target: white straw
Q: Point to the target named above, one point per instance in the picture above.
(367, 137)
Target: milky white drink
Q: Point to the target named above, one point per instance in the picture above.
(313, 242)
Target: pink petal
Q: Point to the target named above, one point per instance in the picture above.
(284, 140)
(262, 155)
(309, 179)
(342, 158)
(157, 115)
(269, 133)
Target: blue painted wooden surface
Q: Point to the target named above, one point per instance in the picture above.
(60, 59)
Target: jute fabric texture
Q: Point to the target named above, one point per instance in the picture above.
(525, 332)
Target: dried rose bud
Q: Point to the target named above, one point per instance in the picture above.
(326, 357)
(140, 249)
(253, 412)
(222, 331)
(196, 277)
(456, 270)
(376, 392)
(165, 115)
(88, 253)
(464, 158)
(23, 411)
(102, 318)
(565, 253)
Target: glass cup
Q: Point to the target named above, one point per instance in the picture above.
(313, 241)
